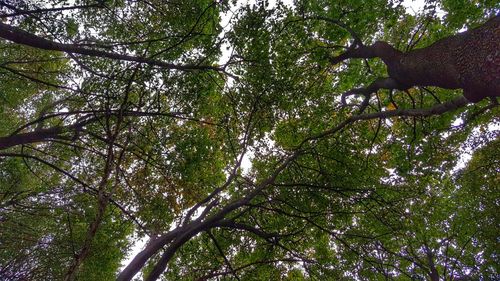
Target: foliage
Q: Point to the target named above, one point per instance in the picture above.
(228, 147)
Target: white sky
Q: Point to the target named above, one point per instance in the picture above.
(413, 6)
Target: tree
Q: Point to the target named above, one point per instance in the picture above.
(124, 120)
(466, 61)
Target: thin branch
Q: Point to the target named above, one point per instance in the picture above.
(20, 12)
(219, 249)
(421, 112)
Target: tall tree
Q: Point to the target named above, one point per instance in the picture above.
(265, 149)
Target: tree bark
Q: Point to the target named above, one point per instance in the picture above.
(31, 137)
(468, 61)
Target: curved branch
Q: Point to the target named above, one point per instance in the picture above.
(379, 49)
(39, 135)
(414, 112)
(381, 83)
(35, 136)
(20, 36)
(181, 235)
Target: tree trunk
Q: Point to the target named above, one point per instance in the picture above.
(468, 61)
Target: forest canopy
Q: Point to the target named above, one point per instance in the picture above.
(226, 140)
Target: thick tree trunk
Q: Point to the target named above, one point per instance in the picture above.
(468, 61)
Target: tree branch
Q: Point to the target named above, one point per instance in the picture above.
(35, 136)
(226, 260)
(416, 112)
(381, 83)
(20, 12)
(20, 36)
(182, 234)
